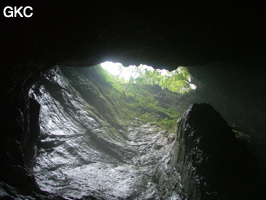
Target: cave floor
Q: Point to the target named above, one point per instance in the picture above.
(77, 167)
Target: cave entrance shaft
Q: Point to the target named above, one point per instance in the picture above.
(90, 137)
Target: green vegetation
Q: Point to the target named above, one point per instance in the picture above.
(144, 94)
(239, 134)
(177, 81)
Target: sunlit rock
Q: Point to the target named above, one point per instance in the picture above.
(82, 152)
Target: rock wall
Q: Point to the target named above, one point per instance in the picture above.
(83, 153)
(239, 97)
(212, 163)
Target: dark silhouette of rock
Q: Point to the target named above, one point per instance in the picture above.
(213, 164)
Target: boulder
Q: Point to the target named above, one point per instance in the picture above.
(213, 164)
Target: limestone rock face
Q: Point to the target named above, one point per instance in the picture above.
(212, 163)
(83, 153)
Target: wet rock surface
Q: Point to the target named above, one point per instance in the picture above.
(80, 154)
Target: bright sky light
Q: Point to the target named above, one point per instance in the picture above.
(113, 68)
(118, 69)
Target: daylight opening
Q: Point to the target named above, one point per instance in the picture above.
(153, 95)
(104, 125)
(178, 80)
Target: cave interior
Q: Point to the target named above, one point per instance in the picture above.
(222, 43)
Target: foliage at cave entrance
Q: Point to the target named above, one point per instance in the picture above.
(178, 81)
(151, 95)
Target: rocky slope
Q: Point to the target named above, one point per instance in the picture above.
(81, 153)
(87, 148)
